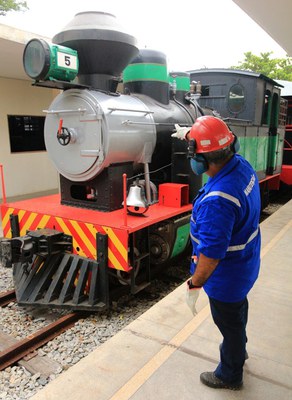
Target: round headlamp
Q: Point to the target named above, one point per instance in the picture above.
(46, 61)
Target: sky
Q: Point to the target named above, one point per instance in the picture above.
(192, 34)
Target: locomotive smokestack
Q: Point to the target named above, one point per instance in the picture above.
(104, 48)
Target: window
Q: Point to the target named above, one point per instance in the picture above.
(266, 115)
(275, 113)
(236, 98)
(26, 133)
(205, 90)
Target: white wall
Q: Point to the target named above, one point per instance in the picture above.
(26, 172)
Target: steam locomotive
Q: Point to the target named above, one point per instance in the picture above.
(126, 185)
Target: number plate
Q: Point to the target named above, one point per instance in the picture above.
(66, 61)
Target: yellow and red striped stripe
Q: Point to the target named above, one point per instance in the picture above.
(83, 234)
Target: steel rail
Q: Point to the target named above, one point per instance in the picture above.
(7, 297)
(25, 346)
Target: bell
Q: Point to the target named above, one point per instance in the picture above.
(136, 202)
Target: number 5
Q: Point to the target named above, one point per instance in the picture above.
(67, 60)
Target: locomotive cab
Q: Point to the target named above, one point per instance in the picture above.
(252, 106)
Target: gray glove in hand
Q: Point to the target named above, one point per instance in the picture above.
(181, 132)
(192, 295)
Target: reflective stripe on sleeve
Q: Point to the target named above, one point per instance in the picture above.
(194, 239)
(242, 246)
(224, 195)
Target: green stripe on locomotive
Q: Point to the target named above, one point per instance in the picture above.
(145, 72)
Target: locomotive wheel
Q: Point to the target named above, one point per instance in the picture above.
(159, 249)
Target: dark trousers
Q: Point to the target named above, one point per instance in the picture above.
(231, 320)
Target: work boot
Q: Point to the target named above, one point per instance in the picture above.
(211, 380)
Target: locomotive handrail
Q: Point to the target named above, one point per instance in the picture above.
(3, 184)
(79, 110)
(230, 119)
(129, 122)
(111, 109)
(90, 153)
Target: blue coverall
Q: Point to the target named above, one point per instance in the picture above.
(225, 226)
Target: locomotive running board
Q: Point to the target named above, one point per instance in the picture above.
(62, 280)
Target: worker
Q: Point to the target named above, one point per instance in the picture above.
(226, 239)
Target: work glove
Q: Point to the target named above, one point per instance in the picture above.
(181, 132)
(192, 295)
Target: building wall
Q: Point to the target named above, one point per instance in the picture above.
(27, 172)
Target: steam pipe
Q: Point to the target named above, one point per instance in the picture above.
(147, 183)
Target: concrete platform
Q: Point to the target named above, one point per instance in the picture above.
(162, 353)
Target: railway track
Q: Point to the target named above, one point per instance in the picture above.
(19, 350)
(13, 353)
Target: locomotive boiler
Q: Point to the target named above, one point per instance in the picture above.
(125, 184)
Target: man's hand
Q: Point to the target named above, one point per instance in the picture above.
(181, 132)
(192, 295)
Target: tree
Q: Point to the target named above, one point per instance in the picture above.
(274, 68)
(12, 5)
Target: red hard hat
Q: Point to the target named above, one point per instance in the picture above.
(210, 134)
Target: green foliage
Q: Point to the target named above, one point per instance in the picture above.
(274, 68)
(12, 5)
